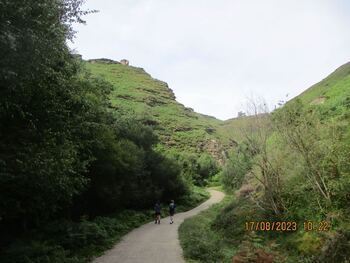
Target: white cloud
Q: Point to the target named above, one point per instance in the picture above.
(215, 53)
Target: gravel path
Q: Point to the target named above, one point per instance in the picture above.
(155, 243)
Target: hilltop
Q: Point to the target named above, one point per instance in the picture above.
(154, 103)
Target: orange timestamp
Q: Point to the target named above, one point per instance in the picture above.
(285, 226)
(321, 226)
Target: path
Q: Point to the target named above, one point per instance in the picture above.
(153, 243)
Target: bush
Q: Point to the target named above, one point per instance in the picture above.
(196, 196)
(231, 220)
(309, 243)
(207, 168)
(36, 252)
(198, 240)
(235, 169)
(336, 248)
(84, 234)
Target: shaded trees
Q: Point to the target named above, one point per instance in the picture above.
(44, 104)
(59, 141)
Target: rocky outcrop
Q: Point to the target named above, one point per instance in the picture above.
(171, 94)
(182, 129)
(215, 149)
(103, 60)
(150, 122)
(233, 143)
(153, 101)
(319, 100)
(210, 130)
(125, 97)
(124, 62)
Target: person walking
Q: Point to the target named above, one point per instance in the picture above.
(172, 207)
(157, 210)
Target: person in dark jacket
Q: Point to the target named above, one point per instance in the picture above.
(157, 210)
(172, 207)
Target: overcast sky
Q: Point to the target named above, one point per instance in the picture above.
(216, 53)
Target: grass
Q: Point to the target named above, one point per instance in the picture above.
(200, 241)
(153, 101)
(333, 87)
(135, 90)
(217, 235)
(78, 242)
(334, 91)
(331, 97)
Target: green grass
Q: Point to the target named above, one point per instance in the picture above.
(201, 242)
(331, 96)
(333, 87)
(153, 101)
(179, 127)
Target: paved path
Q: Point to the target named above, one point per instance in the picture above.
(155, 243)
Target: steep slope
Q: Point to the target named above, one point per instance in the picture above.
(154, 103)
(332, 93)
(331, 96)
(183, 129)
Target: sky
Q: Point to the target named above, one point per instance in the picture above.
(217, 54)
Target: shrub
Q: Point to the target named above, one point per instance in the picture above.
(207, 168)
(336, 248)
(36, 252)
(83, 234)
(235, 169)
(309, 243)
(198, 240)
(231, 220)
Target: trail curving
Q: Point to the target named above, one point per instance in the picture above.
(153, 243)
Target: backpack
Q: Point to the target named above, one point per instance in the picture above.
(157, 208)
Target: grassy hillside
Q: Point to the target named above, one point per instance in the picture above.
(154, 103)
(331, 97)
(180, 128)
(332, 94)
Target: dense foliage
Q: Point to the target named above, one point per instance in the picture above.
(236, 167)
(297, 169)
(45, 105)
(195, 169)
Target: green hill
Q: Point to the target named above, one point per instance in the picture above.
(155, 104)
(179, 127)
(332, 94)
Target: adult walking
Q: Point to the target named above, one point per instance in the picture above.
(157, 210)
(172, 207)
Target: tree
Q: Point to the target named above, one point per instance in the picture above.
(302, 130)
(207, 167)
(256, 136)
(236, 167)
(46, 110)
